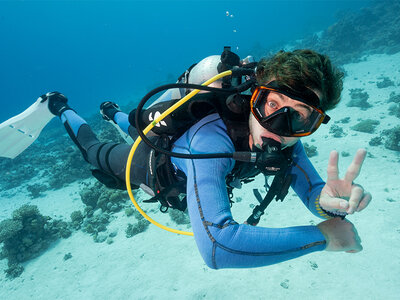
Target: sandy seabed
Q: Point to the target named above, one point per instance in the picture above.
(161, 265)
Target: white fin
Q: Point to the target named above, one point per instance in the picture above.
(19, 132)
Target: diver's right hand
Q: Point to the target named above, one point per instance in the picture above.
(340, 235)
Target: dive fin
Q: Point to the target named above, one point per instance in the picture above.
(19, 132)
(108, 110)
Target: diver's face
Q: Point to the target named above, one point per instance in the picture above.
(274, 102)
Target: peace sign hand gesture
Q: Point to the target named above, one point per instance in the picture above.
(341, 196)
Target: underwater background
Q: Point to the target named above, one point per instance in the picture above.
(97, 50)
(65, 236)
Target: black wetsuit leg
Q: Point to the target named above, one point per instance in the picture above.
(110, 158)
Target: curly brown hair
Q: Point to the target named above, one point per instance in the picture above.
(304, 68)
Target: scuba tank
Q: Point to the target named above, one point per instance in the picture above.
(224, 96)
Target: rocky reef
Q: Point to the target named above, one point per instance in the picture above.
(367, 126)
(337, 131)
(359, 98)
(51, 163)
(96, 196)
(179, 217)
(311, 150)
(26, 235)
(384, 82)
(134, 229)
(394, 108)
(100, 203)
(370, 30)
(392, 138)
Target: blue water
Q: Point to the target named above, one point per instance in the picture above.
(94, 51)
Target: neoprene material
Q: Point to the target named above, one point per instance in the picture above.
(224, 243)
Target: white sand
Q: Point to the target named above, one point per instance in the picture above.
(161, 265)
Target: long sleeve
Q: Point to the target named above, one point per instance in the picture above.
(222, 242)
(306, 182)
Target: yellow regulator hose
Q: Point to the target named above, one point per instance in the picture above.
(139, 139)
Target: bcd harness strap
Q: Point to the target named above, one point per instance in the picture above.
(163, 180)
(279, 188)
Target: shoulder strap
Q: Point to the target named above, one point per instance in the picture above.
(164, 183)
(279, 189)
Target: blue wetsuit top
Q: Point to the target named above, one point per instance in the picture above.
(223, 243)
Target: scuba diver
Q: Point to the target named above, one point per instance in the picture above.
(238, 127)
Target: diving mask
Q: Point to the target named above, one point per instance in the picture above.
(287, 121)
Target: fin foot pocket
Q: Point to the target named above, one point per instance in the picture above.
(108, 110)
